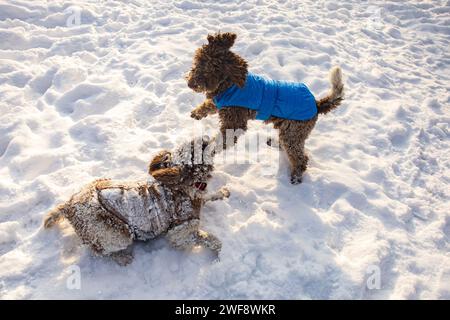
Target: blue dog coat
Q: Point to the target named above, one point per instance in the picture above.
(282, 99)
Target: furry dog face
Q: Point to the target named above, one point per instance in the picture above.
(189, 165)
(215, 67)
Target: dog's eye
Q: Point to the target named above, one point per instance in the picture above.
(155, 166)
(167, 161)
(162, 165)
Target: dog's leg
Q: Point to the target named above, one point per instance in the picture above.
(298, 161)
(183, 236)
(233, 123)
(218, 195)
(187, 235)
(209, 240)
(292, 137)
(123, 257)
(203, 110)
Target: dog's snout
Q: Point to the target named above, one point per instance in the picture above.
(192, 84)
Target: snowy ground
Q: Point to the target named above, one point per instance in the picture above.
(97, 99)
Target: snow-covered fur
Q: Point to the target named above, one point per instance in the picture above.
(109, 215)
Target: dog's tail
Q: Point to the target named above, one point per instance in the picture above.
(336, 95)
(54, 216)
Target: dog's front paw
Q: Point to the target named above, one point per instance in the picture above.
(197, 114)
(225, 192)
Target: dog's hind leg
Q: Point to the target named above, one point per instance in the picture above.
(104, 232)
(292, 137)
(123, 257)
(297, 159)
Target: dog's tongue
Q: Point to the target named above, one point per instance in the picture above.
(200, 185)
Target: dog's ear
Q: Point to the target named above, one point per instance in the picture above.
(160, 170)
(237, 70)
(210, 38)
(224, 40)
(169, 176)
(158, 161)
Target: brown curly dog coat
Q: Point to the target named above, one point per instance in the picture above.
(216, 68)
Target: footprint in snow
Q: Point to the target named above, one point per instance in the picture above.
(87, 99)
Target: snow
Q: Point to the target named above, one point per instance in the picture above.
(93, 90)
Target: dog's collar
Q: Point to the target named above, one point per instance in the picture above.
(200, 185)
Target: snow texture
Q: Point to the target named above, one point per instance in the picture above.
(94, 90)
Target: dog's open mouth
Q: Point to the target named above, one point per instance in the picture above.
(200, 185)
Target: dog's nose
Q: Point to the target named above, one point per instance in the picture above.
(191, 84)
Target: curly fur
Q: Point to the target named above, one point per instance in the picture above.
(216, 68)
(109, 215)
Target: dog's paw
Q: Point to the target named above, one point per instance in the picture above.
(295, 179)
(225, 192)
(197, 115)
(122, 258)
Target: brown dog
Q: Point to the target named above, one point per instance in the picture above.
(109, 215)
(216, 68)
